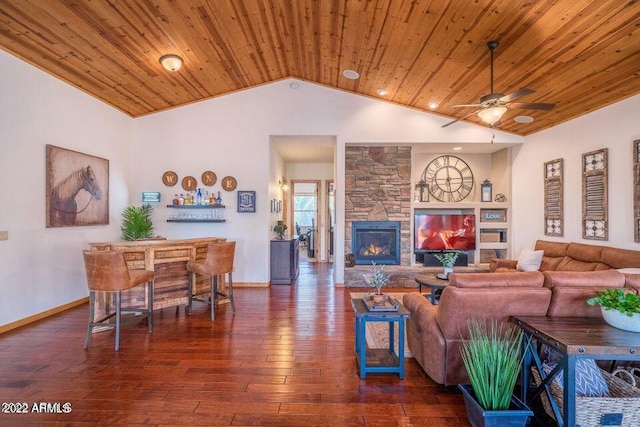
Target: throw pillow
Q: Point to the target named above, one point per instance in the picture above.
(529, 260)
(589, 379)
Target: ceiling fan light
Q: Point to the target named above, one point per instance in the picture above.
(492, 115)
(171, 62)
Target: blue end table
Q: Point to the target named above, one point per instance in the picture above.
(379, 359)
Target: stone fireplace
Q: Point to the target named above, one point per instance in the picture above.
(378, 189)
(376, 241)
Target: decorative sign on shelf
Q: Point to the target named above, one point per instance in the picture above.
(594, 195)
(636, 190)
(553, 198)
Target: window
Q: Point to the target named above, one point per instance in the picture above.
(304, 209)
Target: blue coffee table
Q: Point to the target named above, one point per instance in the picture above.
(379, 360)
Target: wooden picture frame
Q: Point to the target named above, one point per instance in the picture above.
(77, 188)
(595, 224)
(246, 201)
(554, 197)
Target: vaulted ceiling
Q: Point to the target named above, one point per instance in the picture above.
(579, 54)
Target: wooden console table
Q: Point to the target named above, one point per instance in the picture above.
(573, 338)
(168, 258)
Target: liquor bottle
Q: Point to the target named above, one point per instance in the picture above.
(206, 200)
(219, 200)
(199, 197)
(175, 199)
(181, 200)
(212, 200)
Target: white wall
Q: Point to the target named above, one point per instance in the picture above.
(42, 268)
(614, 127)
(231, 136)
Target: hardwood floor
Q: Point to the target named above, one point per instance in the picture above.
(285, 359)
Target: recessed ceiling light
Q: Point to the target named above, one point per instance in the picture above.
(457, 148)
(382, 92)
(433, 105)
(524, 119)
(294, 85)
(351, 75)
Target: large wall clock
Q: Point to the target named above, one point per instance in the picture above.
(448, 178)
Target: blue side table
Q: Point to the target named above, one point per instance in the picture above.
(379, 359)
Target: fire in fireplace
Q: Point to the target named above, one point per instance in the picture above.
(376, 241)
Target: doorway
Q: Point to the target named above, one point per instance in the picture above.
(305, 217)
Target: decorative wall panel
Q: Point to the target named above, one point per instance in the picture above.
(636, 190)
(594, 195)
(553, 198)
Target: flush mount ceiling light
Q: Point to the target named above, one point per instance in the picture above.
(524, 119)
(171, 62)
(433, 105)
(351, 75)
(382, 92)
(492, 115)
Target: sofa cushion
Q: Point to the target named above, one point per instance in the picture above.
(603, 278)
(572, 289)
(529, 260)
(458, 304)
(620, 258)
(632, 277)
(491, 280)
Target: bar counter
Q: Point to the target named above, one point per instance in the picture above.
(168, 259)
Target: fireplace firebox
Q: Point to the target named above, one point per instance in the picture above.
(376, 241)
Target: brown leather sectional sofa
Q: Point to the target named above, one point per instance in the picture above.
(435, 333)
(563, 256)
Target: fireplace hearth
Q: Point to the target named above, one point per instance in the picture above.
(376, 241)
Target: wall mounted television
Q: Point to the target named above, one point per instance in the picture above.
(441, 232)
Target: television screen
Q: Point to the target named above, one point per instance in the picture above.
(448, 231)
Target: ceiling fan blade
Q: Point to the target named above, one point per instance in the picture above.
(460, 118)
(517, 94)
(465, 105)
(532, 106)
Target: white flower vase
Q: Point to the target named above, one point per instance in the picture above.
(447, 271)
(621, 321)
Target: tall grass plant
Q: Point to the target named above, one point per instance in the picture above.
(492, 357)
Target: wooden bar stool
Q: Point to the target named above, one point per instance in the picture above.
(107, 271)
(218, 262)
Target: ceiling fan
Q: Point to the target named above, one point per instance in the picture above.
(492, 107)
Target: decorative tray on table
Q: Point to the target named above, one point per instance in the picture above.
(389, 304)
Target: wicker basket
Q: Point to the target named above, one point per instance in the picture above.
(623, 403)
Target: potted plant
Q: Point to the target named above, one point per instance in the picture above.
(280, 228)
(376, 279)
(448, 260)
(492, 358)
(620, 308)
(136, 222)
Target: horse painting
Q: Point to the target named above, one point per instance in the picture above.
(67, 204)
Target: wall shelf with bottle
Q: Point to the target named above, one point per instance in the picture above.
(216, 214)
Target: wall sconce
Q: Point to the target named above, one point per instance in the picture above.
(422, 195)
(283, 184)
(486, 191)
(171, 62)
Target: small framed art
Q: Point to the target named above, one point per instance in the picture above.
(246, 201)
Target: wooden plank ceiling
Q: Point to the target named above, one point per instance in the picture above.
(580, 54)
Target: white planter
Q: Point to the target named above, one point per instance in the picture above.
(621, 321)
